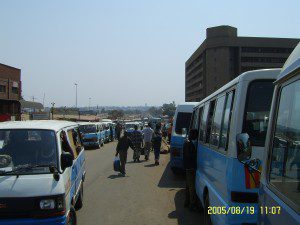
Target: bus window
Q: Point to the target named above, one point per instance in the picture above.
(258, 104)
(195, 119)
(203, 123)
(182, 121)
(285, 159)
(209, 120)
(226, 121)
(217, 120)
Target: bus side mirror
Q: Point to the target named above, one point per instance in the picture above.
(243, 146)
(66, 160)
(184, 132)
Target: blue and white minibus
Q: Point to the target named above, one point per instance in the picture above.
(42, 169)
(182, 118)
(279, 195)
(223, 184)
(91, 135)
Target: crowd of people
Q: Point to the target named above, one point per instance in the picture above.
(141, 142)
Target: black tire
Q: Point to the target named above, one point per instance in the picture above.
(72, 220)
(206, 217)
(79, 202)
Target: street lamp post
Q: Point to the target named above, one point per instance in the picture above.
(76, 94)
(52, 108)
(89, 104)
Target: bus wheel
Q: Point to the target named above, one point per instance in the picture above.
(207, 219)
(79, 202)
(72, 220)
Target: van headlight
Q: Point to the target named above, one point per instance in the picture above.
(47, 204)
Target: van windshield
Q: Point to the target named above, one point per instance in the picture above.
(129, 126)
(87, 129)
(27, 151)
(182, 121)
(257, 110)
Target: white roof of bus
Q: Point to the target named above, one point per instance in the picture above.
(86, 123)
(186, 107)
(55, 125)
(291, 64)
(247, 76)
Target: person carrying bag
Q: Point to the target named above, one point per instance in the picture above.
(123, 144)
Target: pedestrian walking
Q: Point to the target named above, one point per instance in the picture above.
(148, 133)
(122, 148)
(190, 166)
(118, 130)
(156, 142)
(136, 138)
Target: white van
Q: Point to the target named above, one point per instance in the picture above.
(42, 169)
(181, 124)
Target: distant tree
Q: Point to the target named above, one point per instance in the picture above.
(115, 114)
(155, 111)
(169, 109)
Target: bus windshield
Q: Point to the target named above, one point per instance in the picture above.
(258, 104)
(27, 151)
(87, 129)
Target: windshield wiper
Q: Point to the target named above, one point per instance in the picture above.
(27, 167)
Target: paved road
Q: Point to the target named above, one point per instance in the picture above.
(148, 195)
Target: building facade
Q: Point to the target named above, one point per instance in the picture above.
(10, 93)
(224, 55)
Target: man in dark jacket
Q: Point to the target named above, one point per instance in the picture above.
(123, 144)
(190, 166)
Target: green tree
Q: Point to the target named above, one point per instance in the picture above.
(169, 109)
(115, 114)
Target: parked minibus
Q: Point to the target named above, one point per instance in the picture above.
(91, 135)
(279, 195)
(42, 169)
(224, 186)
(129, 127)
(182, 118)
(102, 131)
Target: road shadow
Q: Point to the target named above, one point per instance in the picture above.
(169, 180)
(114, 176)
(89, 148)
(150, 165)
(183, 215)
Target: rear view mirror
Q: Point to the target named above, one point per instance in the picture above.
(66, 160)
(243, 146)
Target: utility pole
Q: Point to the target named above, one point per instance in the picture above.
(52, 108)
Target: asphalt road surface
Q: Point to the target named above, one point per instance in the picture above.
(148, 195)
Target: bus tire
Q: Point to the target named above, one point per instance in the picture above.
(72, 220)
(206, 217)
(79, 202)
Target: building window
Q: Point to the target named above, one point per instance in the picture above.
(2, 88)
(15, 90)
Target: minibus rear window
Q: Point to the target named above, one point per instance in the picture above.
(182, 121)
(258, 104)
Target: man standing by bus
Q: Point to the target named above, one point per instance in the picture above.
(137, 142)
(190, 166)
(148, 132)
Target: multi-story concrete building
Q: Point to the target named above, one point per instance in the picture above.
(223, 56)
(10, 93)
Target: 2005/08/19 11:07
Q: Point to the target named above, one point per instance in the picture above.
(237, 210)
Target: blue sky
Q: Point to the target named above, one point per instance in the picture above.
(122, 52)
